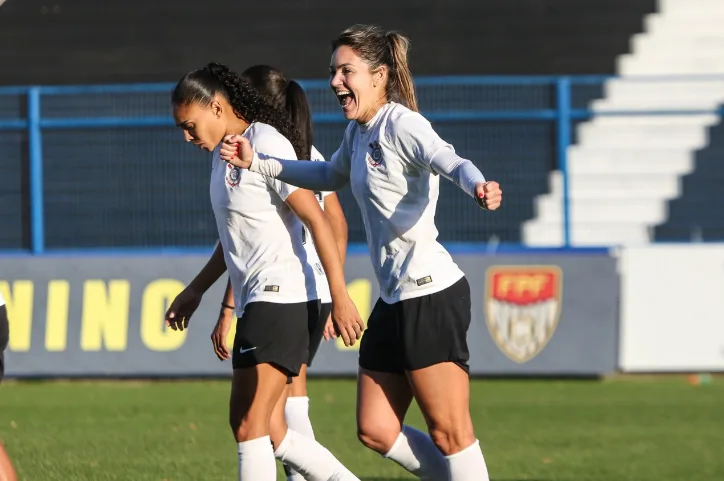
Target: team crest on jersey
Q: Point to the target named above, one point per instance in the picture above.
(233, 176)
(374, 157)
(522, 308)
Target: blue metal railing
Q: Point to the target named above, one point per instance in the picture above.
(563, 113)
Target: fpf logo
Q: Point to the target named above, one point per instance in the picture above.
(522, 308)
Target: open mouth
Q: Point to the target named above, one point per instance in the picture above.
(345, 97)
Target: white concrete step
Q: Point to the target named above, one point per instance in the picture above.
(665, 88)
(642, 154)
(705, 28)
(634, 137)
(551, 234)
(642, 103)
(683, 6)
(675, 47)
(693, 141)
(629, 168)
(641, 130)
(604, 121)
(549, 208)
(625, 166)
(662, 23)
(615, 186)
(679, 56)
(630, 65)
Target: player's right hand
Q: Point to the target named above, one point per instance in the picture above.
(237, 151)
(182, 308)
(218, 335)
(347, 321)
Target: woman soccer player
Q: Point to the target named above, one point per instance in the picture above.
(7, 472)
(275, 279)
(416, 339)
(288, 95)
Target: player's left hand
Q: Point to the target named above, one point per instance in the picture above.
(347, 322)
(489, 195)
(218, 335)
(329, 332)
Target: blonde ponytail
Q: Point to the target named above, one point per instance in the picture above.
(400, 82)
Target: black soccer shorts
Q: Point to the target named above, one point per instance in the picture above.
(420, 332)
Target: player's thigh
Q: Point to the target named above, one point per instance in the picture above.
(270, 347)
(436, 362)
(255, 392)
(442, 392)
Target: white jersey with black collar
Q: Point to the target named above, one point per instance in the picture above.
(262, 239)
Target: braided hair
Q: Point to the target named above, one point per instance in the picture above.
(200, 86)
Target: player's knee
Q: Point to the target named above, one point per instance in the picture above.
(245, 427)
(377, 436)
(452, 438)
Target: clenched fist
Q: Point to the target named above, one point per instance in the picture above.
(488, 195)
(237, 151)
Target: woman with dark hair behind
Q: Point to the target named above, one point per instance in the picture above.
(287, 95)
(262, 224)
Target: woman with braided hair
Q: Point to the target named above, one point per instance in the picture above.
(276, 281)
(287, 95)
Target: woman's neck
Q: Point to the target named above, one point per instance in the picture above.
(370, 114)
(237, 126)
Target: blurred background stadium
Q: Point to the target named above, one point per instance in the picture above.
(601, 119)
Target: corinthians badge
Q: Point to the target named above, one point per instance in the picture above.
(233, 175)
(522, 308)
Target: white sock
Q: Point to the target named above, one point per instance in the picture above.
(256, 460)
(415, 451)
(468, 464)
(296, 412)
(310, 459)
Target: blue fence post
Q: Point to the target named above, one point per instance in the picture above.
(563, 117)
(37, 219)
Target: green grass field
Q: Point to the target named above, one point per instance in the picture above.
(624, 430)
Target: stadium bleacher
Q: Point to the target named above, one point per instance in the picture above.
(626, 173)
(143, 187)
(697, 215)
